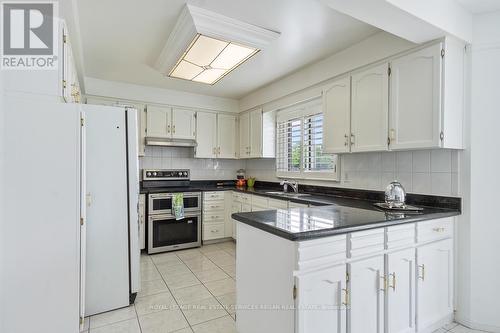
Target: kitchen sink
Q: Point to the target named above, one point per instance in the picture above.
(289, 194)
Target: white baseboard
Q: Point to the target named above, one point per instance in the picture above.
(438, 324)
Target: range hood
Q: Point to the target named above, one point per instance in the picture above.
(169, 142)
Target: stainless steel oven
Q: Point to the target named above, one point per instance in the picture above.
(165, 233)
(161, 203)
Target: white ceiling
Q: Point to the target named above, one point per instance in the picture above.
(121, 40)
(480, 6)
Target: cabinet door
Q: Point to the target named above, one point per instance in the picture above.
(235, 208)
(183, 124)
(337, 116)
(142, 119)
(434, 282)
(370, 109)
(366, 291)
(226, 136)
(158, 122)
(415, 104)
(206, 134)
(321, 297)
(256, 133)
(244, 135)
(400, 316)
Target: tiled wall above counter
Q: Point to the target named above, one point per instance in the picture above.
(423, 171)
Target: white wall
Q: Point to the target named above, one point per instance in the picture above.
(372, 49)
(182, 158)
(425, 172)
(127, 91)
(479, 228)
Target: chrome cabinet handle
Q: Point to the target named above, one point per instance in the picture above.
(346, 297)
(345, 142)
(384, 283)
(352, 139)
(173, 129)
(168, 128)
(439, 229)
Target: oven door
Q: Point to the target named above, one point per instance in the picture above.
(165, 233)
(161, 203)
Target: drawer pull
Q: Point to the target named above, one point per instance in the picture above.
(441, 229)
(422, 277)
(393, 286)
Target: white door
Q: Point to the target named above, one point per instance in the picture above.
(400, 316)
(244, 135)
(226, 136)
(321, 300)
(206, 135)
(158, 122)
(434, 282)
(256, 133)
(183, 124)
(337, 116)
(370, 109)
(415, 104)
(366, 291)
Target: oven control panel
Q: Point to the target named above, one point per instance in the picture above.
(170, 174)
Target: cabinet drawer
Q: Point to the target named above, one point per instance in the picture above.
(209, 206)
(213, 231)
(278, 204)
(216, 195)
(400, 236)
(212, 217)
(435, 229)
(259, 201)
(366, 242)
(319, 252)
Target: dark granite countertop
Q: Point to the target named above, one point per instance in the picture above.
(299, 224)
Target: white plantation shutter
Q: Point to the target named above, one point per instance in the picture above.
(299, 143)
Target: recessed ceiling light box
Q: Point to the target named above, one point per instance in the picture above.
(205, 46)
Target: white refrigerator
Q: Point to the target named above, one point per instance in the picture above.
(112, 196)
(54, 158)
(42, 219)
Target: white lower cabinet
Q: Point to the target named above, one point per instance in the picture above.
(326, 291)
(142, 221)
(397, 279)
(366, 295)
(400, 289)
(434, 282)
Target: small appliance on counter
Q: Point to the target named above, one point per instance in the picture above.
(395, 199)
(240, 178)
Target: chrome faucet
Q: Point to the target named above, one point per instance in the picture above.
(293, 184)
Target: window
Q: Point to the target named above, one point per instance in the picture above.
(299, 144)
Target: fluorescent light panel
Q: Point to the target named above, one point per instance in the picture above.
(208, 59)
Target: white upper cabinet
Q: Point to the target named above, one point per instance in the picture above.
(434, 282)
(416, 100)
(215, 135)
(337, 116)
(366, 291)
(226, 136)
(370, 109)
(158, 122)
(326, 289)
(183, 124)
(427, 98)
(206, 135)
(255, 133)
(244, 127)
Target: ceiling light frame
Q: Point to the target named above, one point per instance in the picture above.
(194, 21)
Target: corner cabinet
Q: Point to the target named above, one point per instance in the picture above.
(397, 279)
(257, 134)
(216, 135)
(427, 98)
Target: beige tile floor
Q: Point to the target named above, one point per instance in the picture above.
(184, 292)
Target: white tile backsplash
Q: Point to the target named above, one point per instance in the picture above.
(424, 171)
